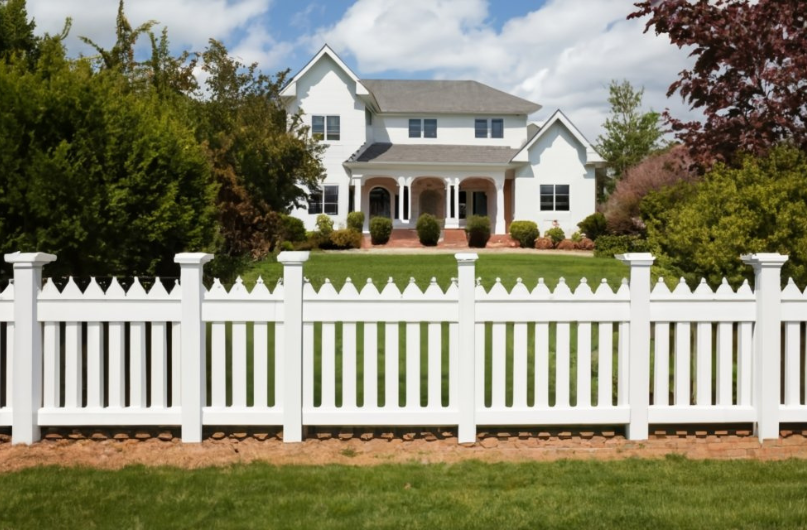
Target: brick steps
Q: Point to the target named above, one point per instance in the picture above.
(450, 239)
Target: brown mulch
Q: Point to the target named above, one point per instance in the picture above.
(374, 449)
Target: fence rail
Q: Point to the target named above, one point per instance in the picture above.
(292, 356)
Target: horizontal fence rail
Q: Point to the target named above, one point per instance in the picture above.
(177, 354)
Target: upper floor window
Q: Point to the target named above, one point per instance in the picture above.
(496, 128)
(324, 200)
(325, 127)
(427, 128)
(555, 197)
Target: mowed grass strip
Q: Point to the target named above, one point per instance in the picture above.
(670, 493)
(337, 266)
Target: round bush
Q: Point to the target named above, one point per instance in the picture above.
(380, 230)
(525, 232)
(345, 239)
(555, 234)
(428, 230)
(324, 225)
(593, 226)
(355, 221)
(291, 229)
(478, 231)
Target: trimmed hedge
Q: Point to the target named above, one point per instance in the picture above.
(428, 230)
(291, 229)
(593, 226)
(608, 246)
(478, 231)
(355, 221)
(380, 230)
(525, 232)
(345, 239)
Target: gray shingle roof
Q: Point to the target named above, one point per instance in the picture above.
(440, 154)
(445, 97)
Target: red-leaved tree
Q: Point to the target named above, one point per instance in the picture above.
(750, 73)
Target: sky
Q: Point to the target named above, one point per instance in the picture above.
(561, 54)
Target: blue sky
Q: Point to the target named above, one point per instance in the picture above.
(558, 53)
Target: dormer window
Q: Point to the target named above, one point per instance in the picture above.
(325, 127)
(495, 125)
(426, 128)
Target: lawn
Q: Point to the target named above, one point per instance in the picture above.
(337, 266)
(670, 493)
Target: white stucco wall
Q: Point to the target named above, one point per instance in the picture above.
(452, 129)
(326, 90)
(555, 158)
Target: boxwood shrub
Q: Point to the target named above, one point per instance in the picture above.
(428, 230)
(355, 221)
(478, 231)
(380, 230)
(525, 232)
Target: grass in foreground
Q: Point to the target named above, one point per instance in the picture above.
(443, 267)
(672, 493)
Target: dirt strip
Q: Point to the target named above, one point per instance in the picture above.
(368, 449)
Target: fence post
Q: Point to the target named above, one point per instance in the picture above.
(293, 335)
(638, 387)
(466, 349)
(192, 343)
(767, 341)
(27, 364)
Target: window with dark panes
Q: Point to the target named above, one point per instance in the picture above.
(555, 197)
(414, 128)
(333, 128)
(315, 201)
(318, 127)
(497, 128)
(480, 128)
(430, 128)
(331, 202)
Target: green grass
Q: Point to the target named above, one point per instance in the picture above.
(670, 493)
(443, 267)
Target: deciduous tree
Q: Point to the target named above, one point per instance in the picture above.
(749, 77)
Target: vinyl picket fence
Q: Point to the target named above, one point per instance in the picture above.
(292, 356)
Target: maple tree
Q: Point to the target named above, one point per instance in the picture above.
(749, 77)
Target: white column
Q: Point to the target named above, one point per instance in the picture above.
(500, 207)
(293, 350)
(27, 355)
(638, 383)
(401, 189)
(192, 343)
(467, 347)
(457, 201)
(357, 195)
(409, 200)
(767, 341)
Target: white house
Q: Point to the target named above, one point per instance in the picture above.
(400, 148)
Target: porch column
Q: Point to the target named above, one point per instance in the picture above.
(500, 207)
(457, 201)
(401, 191)
(449, 221)
(409, 199)
(357, 204)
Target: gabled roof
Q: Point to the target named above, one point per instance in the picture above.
(433, 154)
(290, 90)
(445, 97)
(592, 157)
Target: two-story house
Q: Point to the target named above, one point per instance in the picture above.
(401, 148)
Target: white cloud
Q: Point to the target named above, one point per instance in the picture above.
(561, 55)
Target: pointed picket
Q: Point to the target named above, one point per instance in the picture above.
(391, 291)
(49, 291)
(412, 290)
(604, 291)
(453, 289)
(541, 290)
(217, 291)
(115, 290)
(792, 291)
(94, 291)
(682, 289)
(348, 290)
(624, 289)
(369, 290)
(71, 290)
(479, 290)
(745, 289)
(8, 293)
(562, 290)
(157, 290)
(176, 292)
(661, 290)
(433, 291)
(498, 290)
(238, 290)
(703, 289)
(260, 291)
(583, 290)
(279, 289)
(327, 290)
(308, 289)
(520, 290)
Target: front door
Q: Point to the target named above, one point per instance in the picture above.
(379, 203)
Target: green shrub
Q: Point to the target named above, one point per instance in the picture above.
(555, 234)
(286, 245)
(577, 237)
(478, 231)
(608, 246)
(345, 239)
(525, 232)
(428, 230)
(355, 221)
(324, 225)
(291, 229)
(593, 226)
(380, 230)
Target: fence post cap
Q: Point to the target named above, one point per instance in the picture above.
(636, 258)
(463, 257)
(29, 257)
(288, 257)
(764, 259)
(192, 258)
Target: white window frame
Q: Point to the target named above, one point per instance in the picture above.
(421, 127)
(554, 193)
(326, 134)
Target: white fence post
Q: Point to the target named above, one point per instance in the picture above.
(466, 265)
(767, 341)
(192, 343)
(293, 351)
(27, 364)
(639, 354)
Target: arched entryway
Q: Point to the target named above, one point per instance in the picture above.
(430, 202)
(380, 203)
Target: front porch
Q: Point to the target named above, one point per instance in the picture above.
(450, 239)
(450, 199)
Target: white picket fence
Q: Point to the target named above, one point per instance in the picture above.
(466, 357)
